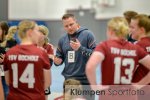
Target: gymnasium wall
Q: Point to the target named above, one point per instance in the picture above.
(51, 11)
(3, 10)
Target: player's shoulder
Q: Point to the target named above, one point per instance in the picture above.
(101, 45)
(40, 49)
(35, 48)
(135, 46)
(104, 43)
(13, 49)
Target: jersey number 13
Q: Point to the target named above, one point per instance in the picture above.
(118, 79)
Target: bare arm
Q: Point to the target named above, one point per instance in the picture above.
(93, 62)
(146, 80)
(1, 90)
(146, 61)
(47, 78)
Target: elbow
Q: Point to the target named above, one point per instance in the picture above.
(88, 69)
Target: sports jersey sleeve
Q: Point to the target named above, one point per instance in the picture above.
(46, 61)
(141, 52)
(50, 49)
(101, 48)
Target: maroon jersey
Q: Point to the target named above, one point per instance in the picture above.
(121, 59)
(25, 64)
(50, 51)
(49, 48)
(142, 71)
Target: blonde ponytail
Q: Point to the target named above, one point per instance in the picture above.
(120, 26)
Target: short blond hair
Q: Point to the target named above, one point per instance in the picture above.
(119, 25)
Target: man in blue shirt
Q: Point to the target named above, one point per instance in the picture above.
(74, 49)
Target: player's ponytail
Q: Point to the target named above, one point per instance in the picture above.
(10, 35)
(12, 30)
(120, 26)
(24, 26)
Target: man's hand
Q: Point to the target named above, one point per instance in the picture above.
(75, 45)
(57, 60)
